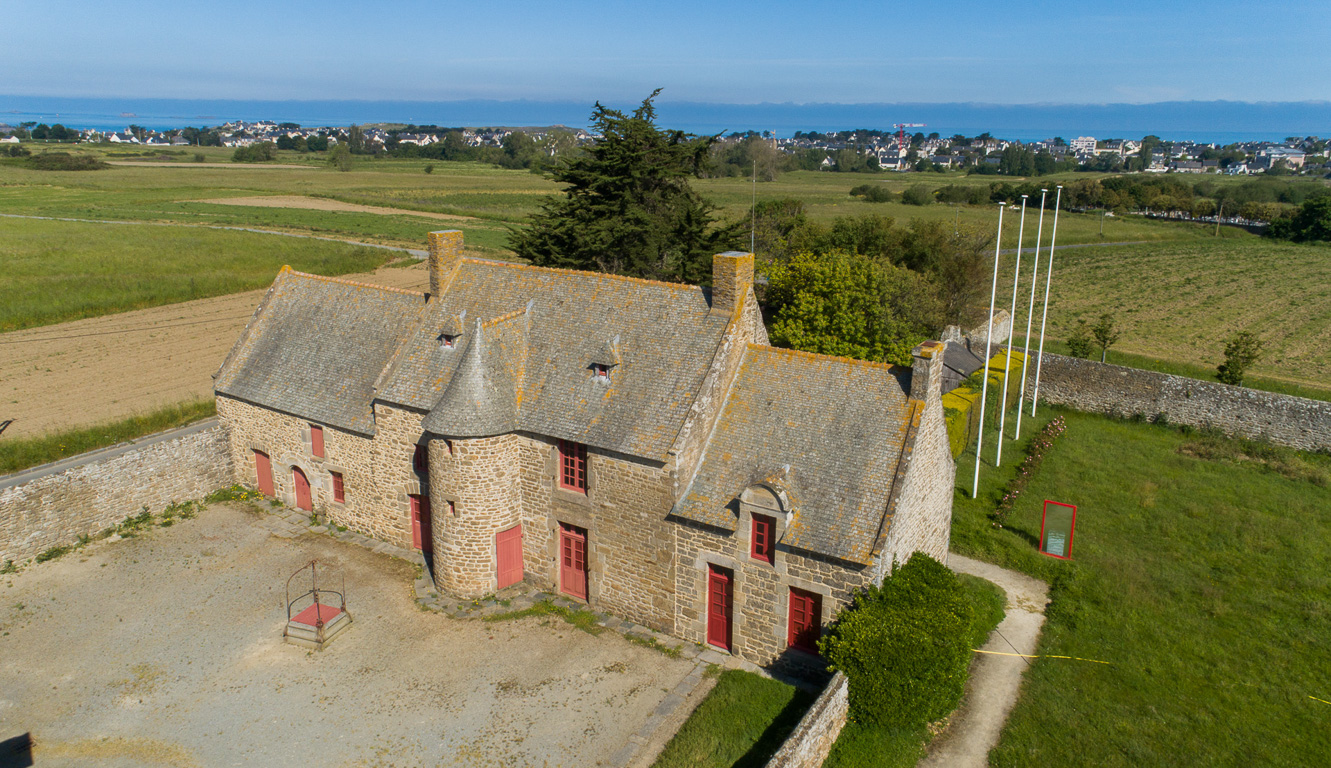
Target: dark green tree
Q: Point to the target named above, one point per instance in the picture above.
(1105, 333)
(1241, 351)
(1080, 343)
(1311, 223)
(627, 206)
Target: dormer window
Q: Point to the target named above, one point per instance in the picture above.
(601, 372)
(448, 340)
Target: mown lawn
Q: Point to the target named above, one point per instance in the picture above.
(741, 723)
(53, 271)
(1204, 582)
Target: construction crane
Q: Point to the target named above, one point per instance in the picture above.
(901, 132)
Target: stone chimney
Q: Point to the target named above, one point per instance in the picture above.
(445, 256)
(926, 373)
(732, 277)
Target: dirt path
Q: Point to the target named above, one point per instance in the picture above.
(995, 679)
(108, 368)
(323, 204)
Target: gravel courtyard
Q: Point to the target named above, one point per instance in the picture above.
(166, 649)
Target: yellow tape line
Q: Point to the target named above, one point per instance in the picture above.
(1324, 701)
(1028, 656)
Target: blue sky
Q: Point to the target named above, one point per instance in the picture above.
(720, 51)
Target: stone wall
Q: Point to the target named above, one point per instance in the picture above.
(923, 517)
(811, 741)
(475, 494)
(1097, 387)
(55, 509)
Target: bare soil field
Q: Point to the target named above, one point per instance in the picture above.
(324, 204)
(108, 368)
(166, 650)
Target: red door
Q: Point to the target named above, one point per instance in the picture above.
(303, 499)
(720, 594)
(508, 556)
(573, 561)
(806, 616)
(421, 533)
(264, 468)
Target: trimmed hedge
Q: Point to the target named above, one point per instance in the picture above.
(962, 405)
(905, 647)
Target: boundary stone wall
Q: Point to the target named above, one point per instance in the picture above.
(1096, 387)
(55, 509)
(811, 741)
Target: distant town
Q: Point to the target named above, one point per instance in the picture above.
(859, 150)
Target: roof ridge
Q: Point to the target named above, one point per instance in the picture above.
(818, 355)
(589, 273)
(286, 269)
(492, 322)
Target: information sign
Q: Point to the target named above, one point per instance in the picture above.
(1056, 527)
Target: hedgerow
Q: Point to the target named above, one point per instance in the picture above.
(1035, 453)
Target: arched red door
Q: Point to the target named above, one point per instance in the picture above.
(303, 499)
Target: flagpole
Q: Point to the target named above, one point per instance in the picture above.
(1048, 279)
(988, 344)
(1007, 361)
(1030, 315)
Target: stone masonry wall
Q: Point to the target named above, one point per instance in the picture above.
(761, 604)
(56, 509)
(1098, 387)
(475, 494)
(811, 741)
(923, 520)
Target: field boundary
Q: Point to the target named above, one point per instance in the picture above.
(1115, 390)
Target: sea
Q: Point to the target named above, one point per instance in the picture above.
(1221, 122)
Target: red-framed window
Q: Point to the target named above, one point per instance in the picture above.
(806, 616)
(317, 440)
(573, 466)
(762, 544)
(420, 460)
(339, 490)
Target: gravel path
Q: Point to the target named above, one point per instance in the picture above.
(166, 649)
(995, 680)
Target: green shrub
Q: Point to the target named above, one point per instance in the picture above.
(63, 161)
(1241, 351)
(874, 193)
(1079, 342)
(261, 152)
(53, 553)
(905, 646)
(917, 194)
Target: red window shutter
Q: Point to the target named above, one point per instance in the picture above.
(573, 466)
(317, 440)
(339, 491)
(806, 614)
(762, 545)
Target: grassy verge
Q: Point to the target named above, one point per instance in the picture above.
(580, 618)
(1201, 572)
(16, 455)
(867, 746)
(741, 723)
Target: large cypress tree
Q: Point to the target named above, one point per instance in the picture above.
(627, 206)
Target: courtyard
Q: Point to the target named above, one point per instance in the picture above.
(166, 649)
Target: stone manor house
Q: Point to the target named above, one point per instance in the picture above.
(634, 444)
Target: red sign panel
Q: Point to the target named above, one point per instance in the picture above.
(1056, 527)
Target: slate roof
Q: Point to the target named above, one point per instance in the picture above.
(315, 347)
(959, 362)
(667, 339)
(841, 427)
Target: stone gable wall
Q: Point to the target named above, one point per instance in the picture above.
(1097, 387)
(761, 602)
(923, 521)
(54, 510)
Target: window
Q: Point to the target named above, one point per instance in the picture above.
(573, 466)
(339, 491)
(317, 440)
(762, 544)
(448, 340)
(601, 372)
(452, 509)
(806, 616)
(420, 460)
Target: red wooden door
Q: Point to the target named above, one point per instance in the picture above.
(264, 468)
(422, 535)
(573, 561)
(508, 556)
(303, 499)
(720, 598)
(806, 616)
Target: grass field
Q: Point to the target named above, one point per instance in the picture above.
(740, 724)
(1203, 582)
(58, 270)
(1180, 302)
